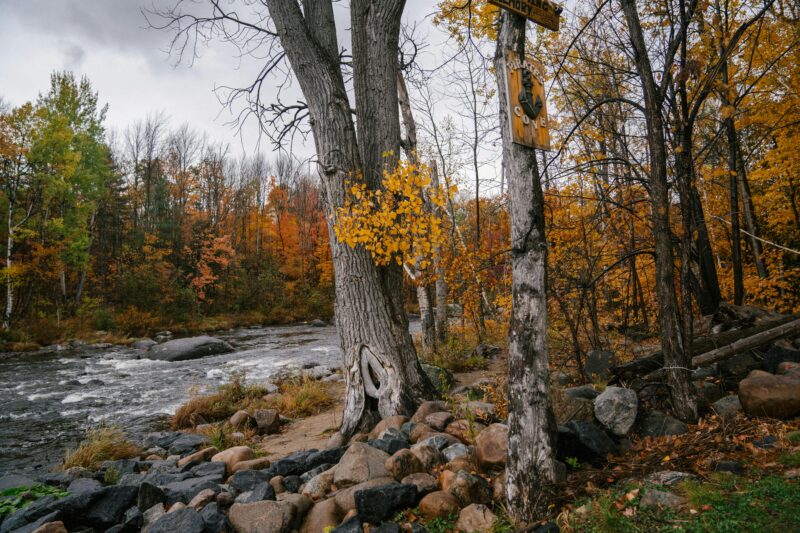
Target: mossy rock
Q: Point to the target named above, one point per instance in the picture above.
(441, 378)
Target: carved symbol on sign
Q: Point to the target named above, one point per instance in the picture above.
(531, 108)
(527, 106)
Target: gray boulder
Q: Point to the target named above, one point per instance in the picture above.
(144, 344)
(186, 521)
(377, 504)
(584, 441)
(441, 378)
(616, 409)
(189, 348)
(658, 424)
(727, 407)
(13, 481)
(111, 505)
(598, 365)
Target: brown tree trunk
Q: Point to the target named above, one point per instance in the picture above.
(531, 424)
(382, 373)
(749, 213)
(676, 357)
(733, 192)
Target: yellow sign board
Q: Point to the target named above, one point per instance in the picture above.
(542, 12)
(527, 108)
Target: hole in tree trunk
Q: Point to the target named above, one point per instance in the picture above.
(374, 377)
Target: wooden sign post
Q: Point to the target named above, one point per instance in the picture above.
(527, 108)
(542, 12)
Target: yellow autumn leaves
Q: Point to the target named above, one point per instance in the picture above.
(399, 222)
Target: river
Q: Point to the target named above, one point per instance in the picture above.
(48, 401)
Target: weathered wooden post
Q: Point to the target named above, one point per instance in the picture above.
(523, 121)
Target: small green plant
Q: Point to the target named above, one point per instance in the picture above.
(16, 498)
(443, 524)
(725, 503)
(503, 523)
(217, 437)
(790, 459)
(111, 476)
(573, 462)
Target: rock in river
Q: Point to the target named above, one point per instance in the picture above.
(190, 348)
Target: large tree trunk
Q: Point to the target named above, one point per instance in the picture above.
(382, 373)
(531, 424)
(676, 357)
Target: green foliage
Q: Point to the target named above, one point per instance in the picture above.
(790, 459)
(103, 320)
(456, 354)
(442, 524)
(725, 504)
(16, 498)
(111, 476)
(573, 462)
(218, 438)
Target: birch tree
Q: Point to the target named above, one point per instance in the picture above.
(531, 424)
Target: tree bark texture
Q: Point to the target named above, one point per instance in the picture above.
(676, 357)
(531, 424)
(382, 373)
(748, 213)
(733, 191)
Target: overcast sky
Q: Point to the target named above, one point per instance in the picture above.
(108, 41)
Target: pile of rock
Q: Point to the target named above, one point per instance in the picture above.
(594, 424)
(445, 460)
(428, 461)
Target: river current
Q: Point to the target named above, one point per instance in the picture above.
(48, 401)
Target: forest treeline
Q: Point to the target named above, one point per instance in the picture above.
(149, 227)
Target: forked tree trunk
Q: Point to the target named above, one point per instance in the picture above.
(676, 356)
(531, 424)
(382, 373)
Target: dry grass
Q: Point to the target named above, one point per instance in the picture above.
(101, 444)
(221, 436)
(21, 347)
(457, 353)
(497, 394)
(220, 405)
(301, 397)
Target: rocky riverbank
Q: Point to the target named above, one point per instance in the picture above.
(442, 469)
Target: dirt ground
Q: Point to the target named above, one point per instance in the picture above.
(314, 431)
